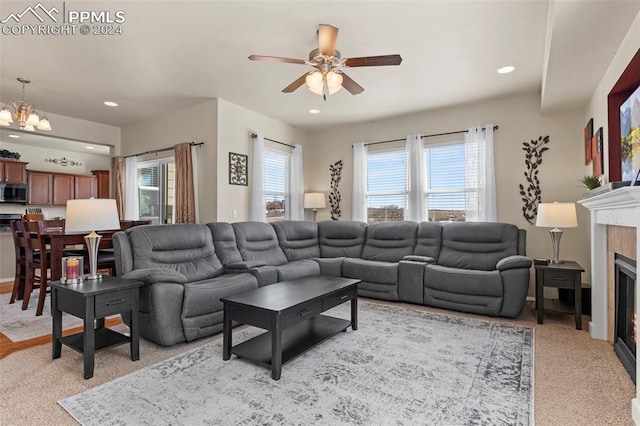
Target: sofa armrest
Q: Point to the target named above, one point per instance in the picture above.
(243, 266)
(513, 262)
(155, 275)
(423, 259)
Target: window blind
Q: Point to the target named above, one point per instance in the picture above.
(445, 182)
(276, 176)
(386, 185)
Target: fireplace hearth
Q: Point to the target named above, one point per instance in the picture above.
(624, 342)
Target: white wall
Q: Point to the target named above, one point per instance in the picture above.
(235, 126)
(519, 119)
(83, 130)
(194, 124)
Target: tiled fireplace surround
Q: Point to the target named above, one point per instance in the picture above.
(615, 228)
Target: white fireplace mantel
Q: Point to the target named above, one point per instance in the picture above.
(620, 207)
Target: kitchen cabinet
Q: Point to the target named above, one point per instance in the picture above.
(103, 182)
(40, 188)
(85, 187)
(13, 171)
(63, 189)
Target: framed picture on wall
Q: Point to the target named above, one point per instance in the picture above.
(588, 134)
(596, 153)
(238, 169)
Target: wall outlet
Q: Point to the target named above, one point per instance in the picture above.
(234, 214)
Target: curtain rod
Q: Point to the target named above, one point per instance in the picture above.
(155, 151)
(253, 135)
(423, 136)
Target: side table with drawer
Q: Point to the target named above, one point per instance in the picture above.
(93, 300)
(565, 275)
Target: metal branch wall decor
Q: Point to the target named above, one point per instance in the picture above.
(532, 194)
(334, 195)
(238, 169)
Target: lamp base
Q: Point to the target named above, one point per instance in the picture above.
(556, 235)
(93, 242)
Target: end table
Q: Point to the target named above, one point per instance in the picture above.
(93, 300)
(565, 275)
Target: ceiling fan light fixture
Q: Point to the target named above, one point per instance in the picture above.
(29, 128)
(314, 82)
(334, 82)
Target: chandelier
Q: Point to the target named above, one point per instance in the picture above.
(23, 113)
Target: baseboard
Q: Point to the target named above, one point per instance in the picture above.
(635, 410)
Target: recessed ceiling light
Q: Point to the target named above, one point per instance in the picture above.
(14, 136)
(89, 147)
(506, 70)
(314, 111)
(111, 103)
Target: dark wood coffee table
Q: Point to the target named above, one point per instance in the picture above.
(290, 312)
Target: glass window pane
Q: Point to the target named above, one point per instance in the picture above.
(276, 207)
(446, 206)
(445, 167)
(276, 177)
(385, 207)
(386, 171)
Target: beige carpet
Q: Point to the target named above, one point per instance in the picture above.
(578, 380)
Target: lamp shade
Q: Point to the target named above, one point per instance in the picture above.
(94, 214)
(557, 215)
(314, 200)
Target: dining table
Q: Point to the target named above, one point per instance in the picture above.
(59, 240)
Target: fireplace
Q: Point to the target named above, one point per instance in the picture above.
(624, 339)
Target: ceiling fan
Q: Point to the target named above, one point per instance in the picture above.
(327, 77)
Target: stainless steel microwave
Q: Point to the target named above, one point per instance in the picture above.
(14, 193)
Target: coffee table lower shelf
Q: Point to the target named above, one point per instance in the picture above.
(296, 339)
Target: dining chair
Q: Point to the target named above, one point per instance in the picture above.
(36, 258)
(20, 247)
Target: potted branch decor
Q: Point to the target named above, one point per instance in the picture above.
(591, 182)
(532, 194)
(334, 195)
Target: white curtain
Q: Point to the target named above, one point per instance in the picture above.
(131, 201)
(359, 197)
(480, 180)
(258, 206)
(416, 181)
(296, 185)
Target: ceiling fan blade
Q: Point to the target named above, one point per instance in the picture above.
(373, 61)
(276, 59)
(351, 86)
(296, 84)
(327, 36)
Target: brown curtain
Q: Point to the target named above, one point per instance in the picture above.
(118, 183)
(185, 197)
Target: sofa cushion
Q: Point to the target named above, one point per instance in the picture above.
(463, 289)
(186, 248)
(298, 239)
(341, 238)
(330, 266)
(477, 245)
(258, 241)
(429, 239)
(390, 241)
(370, 271)
(202, 300)
(224, 240)
(297, 269)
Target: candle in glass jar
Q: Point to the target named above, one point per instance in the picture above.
(73, 269)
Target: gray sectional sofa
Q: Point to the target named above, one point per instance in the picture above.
(471, 267)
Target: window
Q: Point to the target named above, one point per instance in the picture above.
(445, 185)
(156, 190)
(386, 185)
(276, 188)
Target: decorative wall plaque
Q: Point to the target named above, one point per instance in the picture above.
(238, 169)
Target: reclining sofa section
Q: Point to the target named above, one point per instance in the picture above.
(476, 267)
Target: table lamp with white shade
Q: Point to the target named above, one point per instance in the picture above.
(556, 215)
(91, 215)
(315, 201)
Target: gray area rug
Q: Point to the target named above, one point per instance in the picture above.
(401, 366)
(19, 325)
